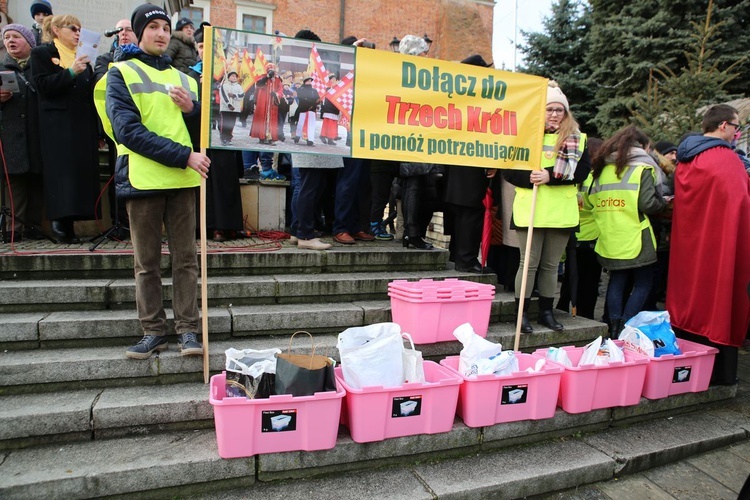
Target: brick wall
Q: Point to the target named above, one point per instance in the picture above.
(458, 28)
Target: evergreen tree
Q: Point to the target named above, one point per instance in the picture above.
(668, 107)
(628, 41)
(558, 54)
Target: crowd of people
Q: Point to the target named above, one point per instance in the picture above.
(657, 217)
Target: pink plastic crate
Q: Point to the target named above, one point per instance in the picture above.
(430, 310)
(246, 427)
(492, 399)
(375, 413)
(590, 387)
(677, 374)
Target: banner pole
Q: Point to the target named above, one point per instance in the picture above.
(206, 79)
(527, 254)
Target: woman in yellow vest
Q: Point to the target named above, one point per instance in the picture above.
(621, 193)
(565, 163)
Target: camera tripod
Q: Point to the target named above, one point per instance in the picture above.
(117, 230)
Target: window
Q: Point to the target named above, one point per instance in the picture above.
(199, 11)
(254, 16)
(195, 14)
(253, 23)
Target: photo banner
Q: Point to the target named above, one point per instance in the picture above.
(278, 94)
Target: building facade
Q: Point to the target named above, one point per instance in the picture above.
(458, 28)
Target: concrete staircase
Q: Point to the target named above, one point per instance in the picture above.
(79, 420)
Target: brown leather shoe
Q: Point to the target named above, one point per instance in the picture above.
(344, 239)
(313, 244)
(363, 236)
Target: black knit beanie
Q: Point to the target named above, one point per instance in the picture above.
(144, 14)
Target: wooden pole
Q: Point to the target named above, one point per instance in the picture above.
(527, 254)
(204, 279)
(206, 80)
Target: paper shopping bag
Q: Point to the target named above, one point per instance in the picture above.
(303, 374)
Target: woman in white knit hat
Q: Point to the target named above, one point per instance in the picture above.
(565, 163)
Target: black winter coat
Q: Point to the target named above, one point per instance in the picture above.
(130, 131)
(307, 98)
(466, 186)
(182, 51)
(19, 129)
(68, 128)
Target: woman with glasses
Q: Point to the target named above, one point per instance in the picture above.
(67, 125)
(565, 163)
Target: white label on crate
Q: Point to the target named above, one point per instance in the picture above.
(514, 394)
(406, 406)
(278, 420)
(681, 374)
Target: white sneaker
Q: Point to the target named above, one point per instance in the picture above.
(293, 240)
(313, 244)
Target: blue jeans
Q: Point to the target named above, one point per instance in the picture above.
(346, 211)
(250, 159)
(618, 305)
(295, 183)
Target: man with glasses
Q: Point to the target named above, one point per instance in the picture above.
(709, 266)
(124, 37)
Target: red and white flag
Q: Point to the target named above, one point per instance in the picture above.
(342, 96)
(317, 70)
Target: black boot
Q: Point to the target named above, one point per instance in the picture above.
(615, 328)
(525, 324)
(57, 229)
(546, 318)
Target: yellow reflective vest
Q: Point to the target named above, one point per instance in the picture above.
(149, 89)
(588, 229)
(615, 209)
(557, 205)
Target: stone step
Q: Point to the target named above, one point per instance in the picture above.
(43, 370)
(34, 260)
(35, 419)
(117, 327)
(18, 296)
(180, 463)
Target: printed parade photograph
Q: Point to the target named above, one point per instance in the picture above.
(273, 93)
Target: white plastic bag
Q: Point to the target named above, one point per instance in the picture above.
(504, 363)
(538, 366)
(591, 354)
(251, 362)
(245, 369)
(558, 355)
(614, 352)
(475, 348)
(413, 363)
(601, 352)
(637, 341)
(372, 355)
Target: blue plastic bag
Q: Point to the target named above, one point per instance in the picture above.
(655, 325)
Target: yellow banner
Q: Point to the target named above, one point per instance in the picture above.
(419, 109)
